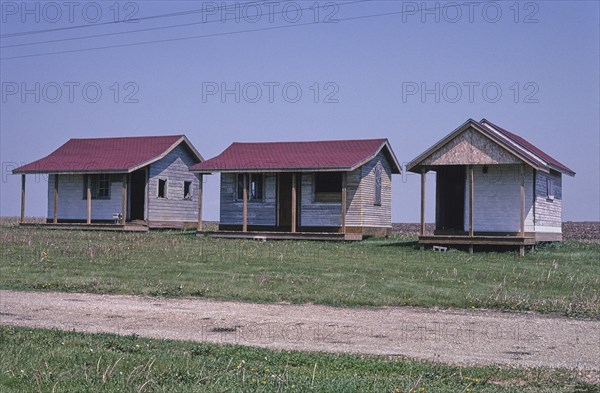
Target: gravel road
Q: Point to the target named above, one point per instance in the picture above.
(452, 336)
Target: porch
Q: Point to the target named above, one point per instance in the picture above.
(455, 210)
(284, 211)
(267, 235)
(128, 227)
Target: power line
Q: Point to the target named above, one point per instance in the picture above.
(194, 37)
(159, 27)
(172, 14)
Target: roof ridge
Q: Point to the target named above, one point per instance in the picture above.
(128, 137)
(312, 141)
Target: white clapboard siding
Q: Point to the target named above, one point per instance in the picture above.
(497, 206)
(548, 211)
(71, 202)
(263, 213)
(174, 167)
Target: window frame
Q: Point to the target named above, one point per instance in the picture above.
(239, 192)
(332, 197)
(377, 198)
(165, 188)
(550, 189)
(189, 195)
(96, 181)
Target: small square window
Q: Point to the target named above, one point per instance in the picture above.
(162, 188)
(187, 190)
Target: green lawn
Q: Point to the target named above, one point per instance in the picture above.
(36, 360)
(562, 277)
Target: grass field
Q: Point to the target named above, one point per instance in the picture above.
(562, 278)
(54, 361)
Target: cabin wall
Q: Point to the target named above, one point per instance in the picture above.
(548, 212)
(374, 215)
(73, 206)
(174, 167)
(263, 213)
(319, 214)
(497, 196)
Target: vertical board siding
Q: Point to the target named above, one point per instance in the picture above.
(262, 213)
(497, 206)
(548, 212)
(175, 168)
(374, 215)
(71, 202)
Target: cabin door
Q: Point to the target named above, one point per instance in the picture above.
(450, 198)
(284, 202)
(138, 195)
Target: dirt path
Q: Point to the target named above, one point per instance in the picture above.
(450, 336)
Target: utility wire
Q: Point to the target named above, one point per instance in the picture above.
(181, 13)
(159, 27)
(195, 36)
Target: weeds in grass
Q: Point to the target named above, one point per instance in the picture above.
(558, 278)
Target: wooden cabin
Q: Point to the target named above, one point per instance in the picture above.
(492, 188)
(291, 190)
(131, 183)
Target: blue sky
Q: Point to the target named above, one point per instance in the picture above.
(357, 79)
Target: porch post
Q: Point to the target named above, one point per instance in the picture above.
(22, 198)
(522, 202)
(423, 177)
(471, 204)
(124, 199)
(471, 196)
(245, 206)
(294, 203)
(201, 177)
(55, 218)
(89, 199)
(344, 201)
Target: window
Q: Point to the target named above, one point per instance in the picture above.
(550, 188)
(162, 188)
(99, 187)
(378, 171)
(255, 187)
(187, 190)
(328, 187)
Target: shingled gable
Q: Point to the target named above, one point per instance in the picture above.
(314, 156)
(107, 155)
(512, 143)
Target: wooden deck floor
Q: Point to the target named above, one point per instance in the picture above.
(263, 236)
(128, 227)
(477, 240)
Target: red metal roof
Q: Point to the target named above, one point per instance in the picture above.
(105, 154)
(343, 155)
(530, 147)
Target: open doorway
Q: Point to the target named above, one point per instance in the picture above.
(284, 203)
(138, 195)
(450, 198)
